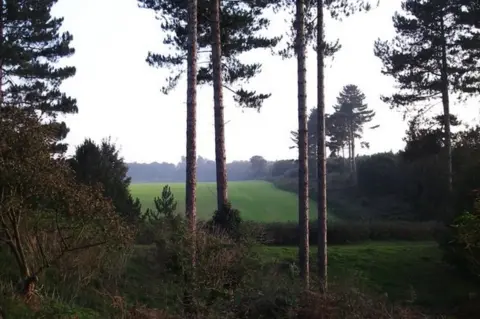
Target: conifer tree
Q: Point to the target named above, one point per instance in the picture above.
(239, 25)
(102, 164)
(352, 112)
(303, 189)
(426, 60)
(30, 46)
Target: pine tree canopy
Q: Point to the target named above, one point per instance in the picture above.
(31, 45)
(414, 56)
(241, 24)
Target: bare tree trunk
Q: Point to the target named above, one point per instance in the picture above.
(354, 160)
(303, 209)
(191, 153)
(1, 53)
(220, 154)
(349, 144)
(446, 112)
(321, 154)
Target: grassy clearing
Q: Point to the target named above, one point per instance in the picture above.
(257, 200)
(405, 271)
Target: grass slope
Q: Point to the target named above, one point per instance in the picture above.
(257, 200)
(405, 271)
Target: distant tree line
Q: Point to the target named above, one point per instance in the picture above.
(255, 168)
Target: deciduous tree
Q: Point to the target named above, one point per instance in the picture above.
(45, 214)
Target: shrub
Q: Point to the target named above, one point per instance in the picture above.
(461, 244)
(351, 304)
(223, 265)
(53, 219)
(227, 219)
(165, 206)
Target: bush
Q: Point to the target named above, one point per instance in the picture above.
(165, 206)
(351, 304)
(461, 245)
(227, 219)
(345, 232)
(222, 268)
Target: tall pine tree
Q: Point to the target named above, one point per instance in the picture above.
(303, 185)
(31, 44)
(353, 113)
(426, 60)
(225, 31)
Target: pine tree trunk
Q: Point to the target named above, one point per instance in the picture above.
(191, 154)
(354, 160)
(321, 155)
(446, 112)
(349, 144)
(1, 61)
(303, 209)
(220, 156)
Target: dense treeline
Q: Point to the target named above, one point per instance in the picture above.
(407, 184)
(256, 168)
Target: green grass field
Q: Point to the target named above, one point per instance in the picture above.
(257, 200)
(405, 271)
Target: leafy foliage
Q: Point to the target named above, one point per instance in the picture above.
(462, 244)
(45, 214)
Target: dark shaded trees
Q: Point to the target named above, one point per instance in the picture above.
(258, 167)
(30, 46)
(427, 60)
(102, 164)
(45, 214)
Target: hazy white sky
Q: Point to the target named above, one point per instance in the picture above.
(119, 94)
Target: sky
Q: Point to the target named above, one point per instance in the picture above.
(119, 94)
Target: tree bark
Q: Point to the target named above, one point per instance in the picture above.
(220, 154)
(354, 161)
(321, 154)
(446, 112)
(191, 152)
(1, 53)
(303, 198)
